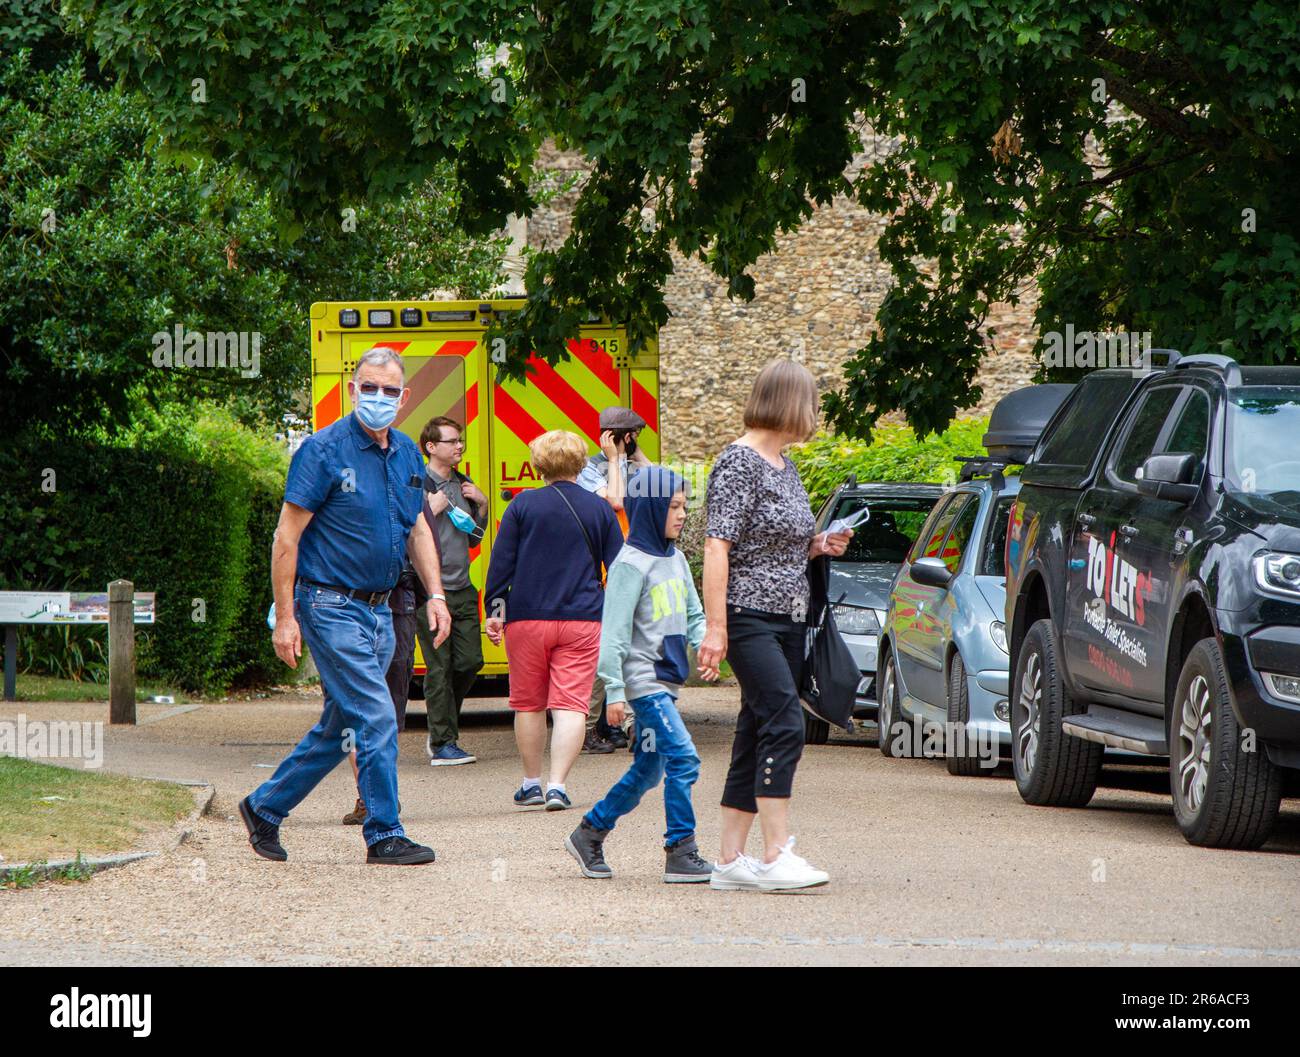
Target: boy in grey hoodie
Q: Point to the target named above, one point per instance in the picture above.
(651, 611)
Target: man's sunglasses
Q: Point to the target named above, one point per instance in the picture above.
(370, 389)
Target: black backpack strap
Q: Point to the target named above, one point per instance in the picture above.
(586, 538)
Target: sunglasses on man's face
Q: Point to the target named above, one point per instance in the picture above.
(370, 389)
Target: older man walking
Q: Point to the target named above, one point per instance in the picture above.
(352, 498)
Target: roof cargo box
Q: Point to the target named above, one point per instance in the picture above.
(1018, 420)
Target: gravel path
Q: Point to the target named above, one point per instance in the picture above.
(925, 868)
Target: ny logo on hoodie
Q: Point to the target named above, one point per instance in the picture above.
(669, 597)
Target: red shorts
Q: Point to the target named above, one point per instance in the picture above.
(552, 663)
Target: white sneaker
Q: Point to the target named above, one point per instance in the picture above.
(788, 872)
(738, 875)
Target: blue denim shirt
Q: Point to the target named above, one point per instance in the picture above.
(364, 499)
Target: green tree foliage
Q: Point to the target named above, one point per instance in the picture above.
(1112, 148)
(107, 238)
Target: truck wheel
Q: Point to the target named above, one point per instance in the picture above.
(960, 759)
(1052, 768)
(815, 731)
(890, 713)
(1224, 797)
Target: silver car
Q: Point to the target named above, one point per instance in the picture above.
(943, 664)
(861, 580)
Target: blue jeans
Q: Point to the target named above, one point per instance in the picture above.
(663, 749)
(352, 645)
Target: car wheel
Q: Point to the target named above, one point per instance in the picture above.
(960, 759)
(889, 715)
(1052, 768)
(815, 731)
(1224, 796)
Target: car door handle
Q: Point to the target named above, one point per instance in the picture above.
(1128, 531)
(1086, 520)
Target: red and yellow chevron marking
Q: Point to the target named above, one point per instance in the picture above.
(437, 372)
(645, 402)
(327, 401)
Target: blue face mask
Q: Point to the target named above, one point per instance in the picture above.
(375, 410)
(461, 520)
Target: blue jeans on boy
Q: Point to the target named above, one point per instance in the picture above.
(663, 749)
(352, 645)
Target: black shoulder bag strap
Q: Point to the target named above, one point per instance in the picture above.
(586, 538)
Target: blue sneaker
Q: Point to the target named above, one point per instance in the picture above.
(556, 800)
(450, 755)
(528, 796)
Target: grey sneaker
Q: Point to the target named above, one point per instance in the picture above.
(684, 865)
(586, 844)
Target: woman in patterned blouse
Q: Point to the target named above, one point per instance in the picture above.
(759, 540)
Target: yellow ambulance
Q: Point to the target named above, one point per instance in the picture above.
(450, 371)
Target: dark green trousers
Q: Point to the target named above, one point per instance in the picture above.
(452, 668)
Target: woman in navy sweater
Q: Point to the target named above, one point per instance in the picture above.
(544, 596)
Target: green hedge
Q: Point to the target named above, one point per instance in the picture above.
(894, 454)
(180, 504)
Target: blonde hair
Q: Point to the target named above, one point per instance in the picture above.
(558, 454)
(784, 398)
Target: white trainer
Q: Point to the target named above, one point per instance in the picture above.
(739, 875)
(788, 872)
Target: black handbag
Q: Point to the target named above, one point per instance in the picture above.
(829, 685)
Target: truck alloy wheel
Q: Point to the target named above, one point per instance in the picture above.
(1194, 727)
(1226, 791)
(1029, 704)
(1052, 768)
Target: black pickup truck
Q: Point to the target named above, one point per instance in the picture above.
(1153, 591)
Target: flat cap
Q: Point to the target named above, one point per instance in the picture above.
(620, 418)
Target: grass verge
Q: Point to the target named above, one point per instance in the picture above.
(49, 813)
(50, 688)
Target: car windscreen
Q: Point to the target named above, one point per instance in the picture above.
(888, 534)
(1261, 455)
(993, 559)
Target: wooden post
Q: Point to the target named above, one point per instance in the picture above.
(121, 652)
(11, 662)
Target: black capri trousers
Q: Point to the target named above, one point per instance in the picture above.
(766, 651)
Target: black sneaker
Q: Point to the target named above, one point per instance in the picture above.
(594, 745)
(398, 851)
(586, 844)
(556, 800)
(262, 835)
(617, 737)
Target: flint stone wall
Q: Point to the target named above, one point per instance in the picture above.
(816, 299)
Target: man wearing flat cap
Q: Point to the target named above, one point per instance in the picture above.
(606, 471)
(606, 474)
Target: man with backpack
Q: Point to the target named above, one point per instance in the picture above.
(458, 511)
